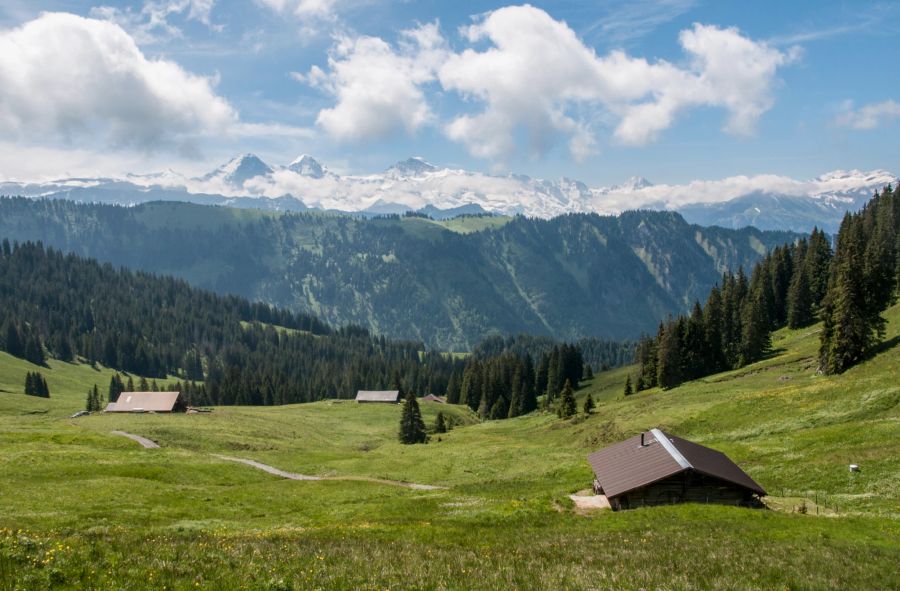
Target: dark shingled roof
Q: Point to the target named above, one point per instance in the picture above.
(626, 466)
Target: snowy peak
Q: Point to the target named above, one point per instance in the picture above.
(414, 167)
(240, 169)
(634, 183)
(306, 165)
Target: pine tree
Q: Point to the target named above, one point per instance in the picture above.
(553, 375)
(755, 338)
(14, 345)
(588, 404)
(628, 391)
(816, 265)
(847, 332)
(668, 357)
(116, 387)
(588, 371)
(130, 386)
(440, 425)
(144, 386)
(412, 427)
(516, 401)
(567, 406)
(800, 301)
(30, 389)
(453, 387)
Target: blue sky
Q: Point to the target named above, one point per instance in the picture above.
(672, 90)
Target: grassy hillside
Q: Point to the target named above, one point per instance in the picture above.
(96, 510)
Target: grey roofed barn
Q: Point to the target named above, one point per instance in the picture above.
(387, 396)
(656, 468)
(144, 402)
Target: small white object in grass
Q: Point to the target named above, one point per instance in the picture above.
(854, 467)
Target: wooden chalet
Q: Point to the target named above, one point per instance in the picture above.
(383, 396)
(655, 468)
(145, 402)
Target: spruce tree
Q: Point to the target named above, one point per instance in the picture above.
(453, 387)
(30, 389)
(14, 345)
(440, 425)
(668, 358)
(628, 390)
(412, 427)
(800, 301)
(588, 407)
(567, 407)
(130, 385)
(516, 397)
(847, 332)
(553, 375)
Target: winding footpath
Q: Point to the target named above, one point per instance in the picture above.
(142, 440)
(289, 475)
(295, 476)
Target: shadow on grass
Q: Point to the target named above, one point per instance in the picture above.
(883, 346)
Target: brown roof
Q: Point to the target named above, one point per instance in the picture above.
(378, 396)
(144, 401)
(433, 398)
(626, 466)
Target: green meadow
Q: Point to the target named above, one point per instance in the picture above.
(81, 508)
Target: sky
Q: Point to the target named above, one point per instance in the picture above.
(671, 90)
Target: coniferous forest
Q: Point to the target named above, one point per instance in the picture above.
(228, 350)
(794, 285)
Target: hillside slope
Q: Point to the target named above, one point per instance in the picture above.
(504, 517)
(414, 278)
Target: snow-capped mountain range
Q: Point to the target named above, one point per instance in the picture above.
(765, 201)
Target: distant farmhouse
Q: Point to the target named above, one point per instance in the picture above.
(433, 398)
(145, 402)
(655, 468)
(385, 396)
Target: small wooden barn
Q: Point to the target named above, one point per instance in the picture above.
(383, 396)
(655, 468)
(145, 402)
(433, 398)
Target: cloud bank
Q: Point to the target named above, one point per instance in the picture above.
(70, 78)
(532, 75)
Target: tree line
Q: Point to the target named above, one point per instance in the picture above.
(794, 285)
(77, 309)
(225, 350)
(509, 384)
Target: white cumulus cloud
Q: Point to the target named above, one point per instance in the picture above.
(536, 72)
(65, 77)
(532, 78)
(869, 116)
(378, 88)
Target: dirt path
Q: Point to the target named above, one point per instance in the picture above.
(142, 440)
(294, 476)
(269, 469)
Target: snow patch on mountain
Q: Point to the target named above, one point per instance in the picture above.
(416, 185)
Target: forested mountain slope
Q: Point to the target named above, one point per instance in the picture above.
(411, 277)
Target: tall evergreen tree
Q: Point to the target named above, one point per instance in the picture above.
(588, 407)
(668, 368)
(567, 407)
(412, 427)
(848, 330)
(800, 301)
(440, 424)
(628, 391)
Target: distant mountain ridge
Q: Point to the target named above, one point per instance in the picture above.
(448, 284)
(764, 201)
